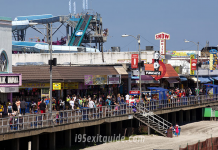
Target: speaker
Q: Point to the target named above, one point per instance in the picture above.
(54, 63)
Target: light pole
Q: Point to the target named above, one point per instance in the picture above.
(140, 68)
(198, 54)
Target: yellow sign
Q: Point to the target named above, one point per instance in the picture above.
(211, 61)
(56, 86)
(192, 72)
(73, 85)
(215, 61)
(35, 85)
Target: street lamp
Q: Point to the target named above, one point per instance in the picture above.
(140, 68)
(199, 54)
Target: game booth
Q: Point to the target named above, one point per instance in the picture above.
(133, 97)
(158, 97)
(211, 91)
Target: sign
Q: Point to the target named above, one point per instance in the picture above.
(99, 79)
(164, 69)
(214, 61)
(73, 85)
(213, 51)
(56, 86)
(134, 61)
(129, 60)
(10, 80)
(180, 54)
(114, 79)
(162, 36)
(193, 64)
(134, 92)
(163, 47)
(211, 61)
(9, 89)
(152, 72)
(88, 80)
(192, 72)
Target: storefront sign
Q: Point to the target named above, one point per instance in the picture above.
(211, 61)
(180, 54)
(193, 64)
(114, 79)
(134, 92)
(56, 86)
(99, 79)
(9, 89)
(129, 60)
(88, 80)
(73, 85)
(10, 80)
(152, 73)
(35, 85)
(134, 61)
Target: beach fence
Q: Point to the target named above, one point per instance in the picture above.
(208, 144)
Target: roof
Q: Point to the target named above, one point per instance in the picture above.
(61, 73)
(121, 70)
(170, 72)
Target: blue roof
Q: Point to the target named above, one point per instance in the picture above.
(216, 78)
(23, 43)
(211, 85)
(205, 79)
(157, 88)
(183, 78)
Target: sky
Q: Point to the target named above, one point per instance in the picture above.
(194, 20)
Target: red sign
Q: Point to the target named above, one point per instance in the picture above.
(162, 36)
(193, 64)
(134, 92)
(163, 72)
(134, 61)
(163, 47)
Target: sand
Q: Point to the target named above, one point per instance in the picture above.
(190, 133)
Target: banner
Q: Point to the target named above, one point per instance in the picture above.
(99, 79)
(88, 79)
(56, 86)
(214, 61)
(134, 61)
(211, 61)
(192, 72)
(114, 79)
(193, 64)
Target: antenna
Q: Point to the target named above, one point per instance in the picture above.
(84, 5)
(87, 4)
(74, 8)
(70, 6)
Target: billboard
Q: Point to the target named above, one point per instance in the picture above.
(56, 86)
(99, 79)
(192, 72)
(88, 80)
(180, 54)
(114, 79)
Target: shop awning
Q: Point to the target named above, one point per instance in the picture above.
(143, 77)
(215, 78)
(204, 79)
(172, 80)
(183, 78)
(195, 79)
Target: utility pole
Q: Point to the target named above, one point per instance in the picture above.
(49, 40)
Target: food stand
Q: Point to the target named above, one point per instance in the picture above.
(211, 89)
(134, 96)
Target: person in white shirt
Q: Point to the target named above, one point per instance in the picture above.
(72, 104)
(91, 104)
(127, 96)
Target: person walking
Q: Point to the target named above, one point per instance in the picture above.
(42, 107)
(1, 109)
(18, 105)
(23, 106)
(14, 106)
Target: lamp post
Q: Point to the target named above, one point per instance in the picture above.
(199, 54)
(140, 68)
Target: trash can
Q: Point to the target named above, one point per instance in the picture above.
(169, 133)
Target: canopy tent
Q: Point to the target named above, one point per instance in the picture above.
(195, 79)
(215, 78)
(205, 79)
(211, 86)
(161, 91)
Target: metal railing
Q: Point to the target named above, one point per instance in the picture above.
(153, 118)
(32, 121)
(153, 105)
